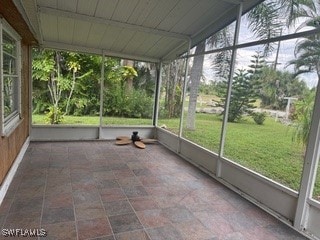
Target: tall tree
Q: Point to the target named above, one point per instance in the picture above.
(303, 110)
(172, 80)
(47, 67)
(263, 21)
(243, 95)
(220, 39)
(195, 77)
(128, 73)
(275, 85)
(308, 56)
(295, 9)
(307, 60)
(255, 70)
(266, 19)
(221, 64)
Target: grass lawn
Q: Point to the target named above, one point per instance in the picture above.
(93, 120)
(267, 149)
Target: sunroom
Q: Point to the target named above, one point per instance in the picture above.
(228, 89)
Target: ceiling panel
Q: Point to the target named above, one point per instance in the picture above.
(124, 10)
(207, 18)
(66, 27)
(132, 45)
(95, 35)
(157, 49)
(87, 7)
(197, 11)
(159, 13)
(81, 32)
(148, 44)
(47, 3)
(146, 29)
(122, 40)
(109, 37)
(142, 11)
(49, 27)
(105, 9)
(69, 5)
(181, 10)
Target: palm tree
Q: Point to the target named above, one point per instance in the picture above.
(266, 19)
(195, 76)
(308, 56)
(265, 22)
(303, 116)
(307, 50)
(295, 9)
(307, 60)
(220, 39)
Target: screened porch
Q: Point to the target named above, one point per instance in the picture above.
(218, 170)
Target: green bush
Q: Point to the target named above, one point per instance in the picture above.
(54, 116)
(136, 104)
(259, 117)
(139, 105)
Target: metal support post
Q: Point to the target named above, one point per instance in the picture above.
(101, 95)
(229, 90)
(157, 95)
(310, 167)
(184, 93)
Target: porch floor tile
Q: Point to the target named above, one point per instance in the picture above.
(97, 190)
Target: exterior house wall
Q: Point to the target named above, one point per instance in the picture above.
(11, 145)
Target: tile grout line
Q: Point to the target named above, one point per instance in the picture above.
(73, 202)
(128, 200)
(149, 196)
(44, 192)
(105, 211)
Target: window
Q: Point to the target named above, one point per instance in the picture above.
(10, 78)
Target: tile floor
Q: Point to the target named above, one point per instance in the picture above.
(96, 190)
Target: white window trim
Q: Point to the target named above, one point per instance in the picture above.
(12, 121)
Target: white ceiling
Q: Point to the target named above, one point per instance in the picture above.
(150, 30)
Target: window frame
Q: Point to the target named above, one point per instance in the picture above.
(10, 122)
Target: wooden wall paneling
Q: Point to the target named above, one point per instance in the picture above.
(2, 157)
(11, 145)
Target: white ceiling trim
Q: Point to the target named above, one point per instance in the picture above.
(70, 47)
(25, 16)
(83, 17)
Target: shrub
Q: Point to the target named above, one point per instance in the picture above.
(259, 117)
(136, 104)
(139, 105)
(54, 116)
